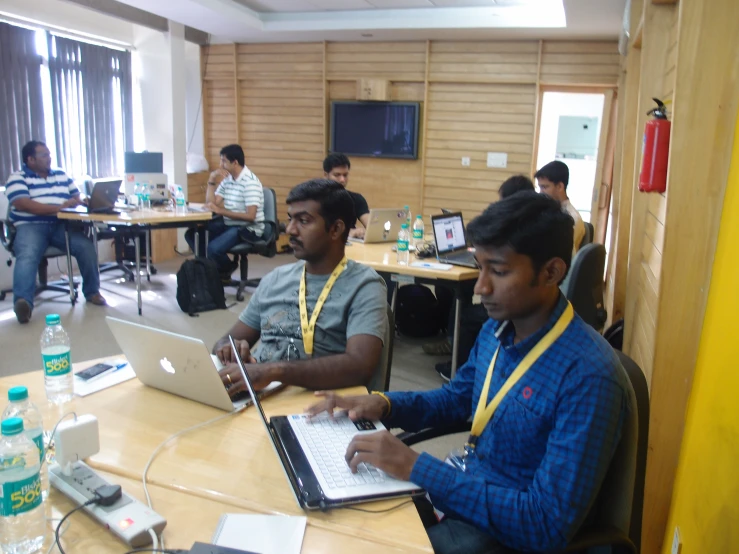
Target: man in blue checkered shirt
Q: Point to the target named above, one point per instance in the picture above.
(540, 460)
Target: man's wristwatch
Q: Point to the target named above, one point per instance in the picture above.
(212, 183)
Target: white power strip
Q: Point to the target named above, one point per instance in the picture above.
(128, 519)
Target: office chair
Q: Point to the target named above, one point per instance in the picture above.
(583, 285)
(7, 237)
(267, 246)
(381, 378)
(615, 516)
(587, 238)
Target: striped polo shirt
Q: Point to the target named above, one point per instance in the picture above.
(240, 193)
(56, 189)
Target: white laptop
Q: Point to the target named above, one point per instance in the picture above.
(176, 364)
(312, 456)
(383, 226)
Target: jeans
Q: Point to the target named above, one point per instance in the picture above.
(32, 240)
(221, 238)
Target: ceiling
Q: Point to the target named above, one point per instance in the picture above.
(368, 20)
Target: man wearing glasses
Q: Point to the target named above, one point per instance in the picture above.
(321, 320)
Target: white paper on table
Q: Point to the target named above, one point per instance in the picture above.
(84, 388)
(261, 533)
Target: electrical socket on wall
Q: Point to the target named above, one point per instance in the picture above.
(466, 161)
(676, 544)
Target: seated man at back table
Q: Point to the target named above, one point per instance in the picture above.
(322, 320)
(36, 194)
(236, 194)
(336, 167)
(553, 179)
(548, 395)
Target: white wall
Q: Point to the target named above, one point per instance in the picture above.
(193, 99)
(582, 172)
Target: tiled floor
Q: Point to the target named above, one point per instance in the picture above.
(411, 369)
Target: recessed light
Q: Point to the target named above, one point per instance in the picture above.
(367, 35)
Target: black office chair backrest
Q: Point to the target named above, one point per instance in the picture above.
(271, 223)
(7, 234)
(381, 378)
(583, 286)
(587, 238)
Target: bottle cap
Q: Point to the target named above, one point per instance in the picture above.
(405, 208)
(53, 319)
(16, 394)
(12, 426)
(404, 226)
(419, 216)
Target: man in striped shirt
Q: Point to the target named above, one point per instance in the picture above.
(236, 194)
(35, 194)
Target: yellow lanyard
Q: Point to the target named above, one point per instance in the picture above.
(309, 327)
(483, 413)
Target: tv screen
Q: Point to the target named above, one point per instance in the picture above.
(375, 129)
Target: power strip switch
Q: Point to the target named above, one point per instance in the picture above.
(127, 518)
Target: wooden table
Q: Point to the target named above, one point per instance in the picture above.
(382, 259)
(146, 219)
(228, 466)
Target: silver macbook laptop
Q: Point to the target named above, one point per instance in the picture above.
(102, 200)
(176, 364)
(312, 455)
(451, 240)
(383, 226)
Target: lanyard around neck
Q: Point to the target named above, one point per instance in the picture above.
(483, 413)
(309, 327)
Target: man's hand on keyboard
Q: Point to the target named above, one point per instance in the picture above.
(384, 451)
(368, 406)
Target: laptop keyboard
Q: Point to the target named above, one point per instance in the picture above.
(327, 440)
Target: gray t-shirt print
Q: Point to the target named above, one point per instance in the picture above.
(356, 305)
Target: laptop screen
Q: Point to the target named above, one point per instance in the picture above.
(449, 233)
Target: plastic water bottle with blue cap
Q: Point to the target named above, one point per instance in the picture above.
(55, 352)
(19, 405)
(22, 519)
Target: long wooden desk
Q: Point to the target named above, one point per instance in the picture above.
(230, 464)
(382, 259)
(146, 219)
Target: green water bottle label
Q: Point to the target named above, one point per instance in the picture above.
(39, 441)
(21, 496)
(418, 234)
(402, 246)
(57, 364)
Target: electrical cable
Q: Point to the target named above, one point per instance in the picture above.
(391, 509)
(57, 540)
(154, 538)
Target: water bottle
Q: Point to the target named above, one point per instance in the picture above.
(33, 424)
(418, 232)
(145, 197)
(180, 209)
(137, 192)
(408, 217)
(55, 347)
(22, 519)
(403, 239)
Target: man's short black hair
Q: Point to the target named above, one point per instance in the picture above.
(29, 149)
(531, 224)
(556, 172)
(336, 203)
(335, 159)
(517, 183)
(234, 153)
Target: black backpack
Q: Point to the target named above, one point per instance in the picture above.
(199, 287)
(417, 312)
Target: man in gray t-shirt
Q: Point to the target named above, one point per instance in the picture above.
(351, 325)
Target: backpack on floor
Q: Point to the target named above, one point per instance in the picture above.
(417, 312)
(199, 287)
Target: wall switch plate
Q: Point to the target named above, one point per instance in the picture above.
(466, 161)
(497, 159)
(676, 544)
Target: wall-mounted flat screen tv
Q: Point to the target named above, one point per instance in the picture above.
(375, 129)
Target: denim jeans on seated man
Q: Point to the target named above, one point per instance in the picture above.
(30, 243)
(221, 238)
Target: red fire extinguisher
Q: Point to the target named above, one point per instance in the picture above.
(656, 151)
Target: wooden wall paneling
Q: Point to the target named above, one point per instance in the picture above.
(237, 94)
(580, 63)
(392, 61)
(701, 145)
(500, 62)
(295, 61)
(326, 106)
(537, 112)
(604, 168)
(205, 92)
(422, 130)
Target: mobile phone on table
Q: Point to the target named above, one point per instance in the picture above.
(93, 371)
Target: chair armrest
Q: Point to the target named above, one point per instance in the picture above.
(410, 438)
(7, 235)
(602, 536)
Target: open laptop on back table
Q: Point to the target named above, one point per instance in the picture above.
(451, 240)
(102, 200)
(383, 226)
(176, 364)
(312, 454)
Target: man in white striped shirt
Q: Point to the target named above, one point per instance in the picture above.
(236, 194)
(35, 194)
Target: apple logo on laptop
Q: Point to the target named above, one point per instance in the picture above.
(387, 226)
(166, 365)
